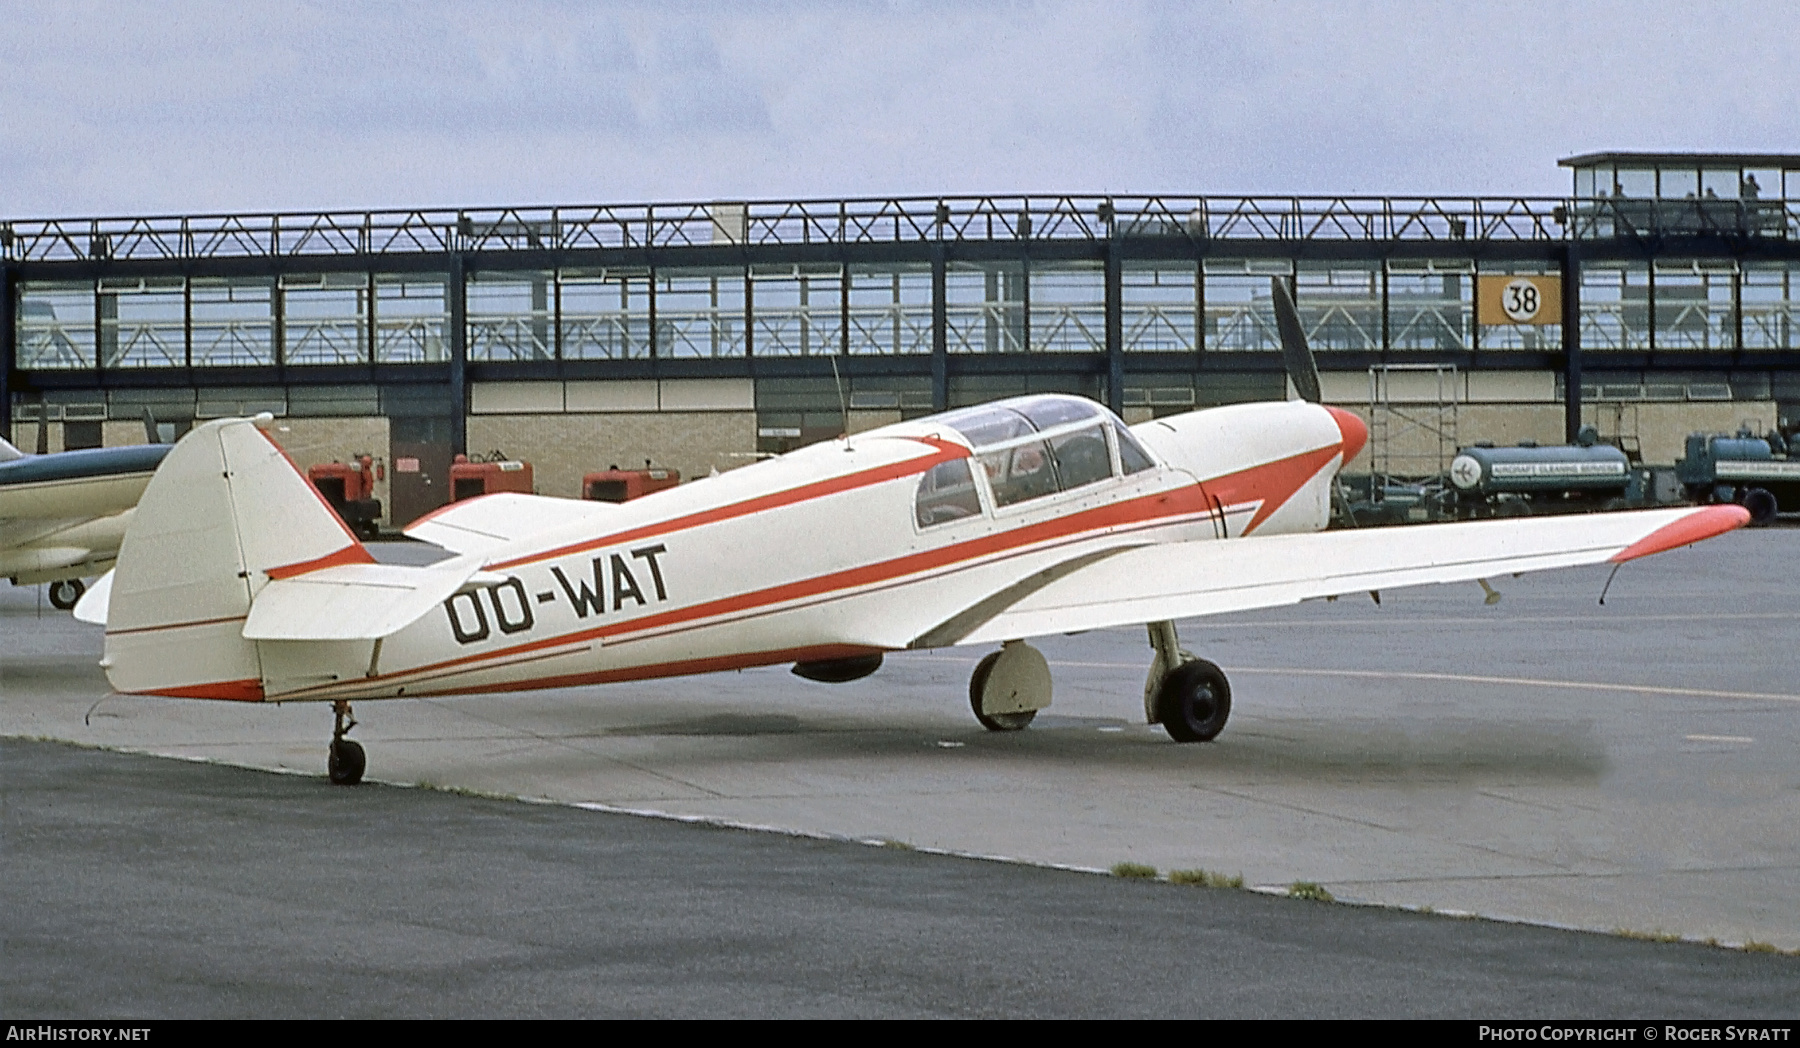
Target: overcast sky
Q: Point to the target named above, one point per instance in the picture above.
(127, 108)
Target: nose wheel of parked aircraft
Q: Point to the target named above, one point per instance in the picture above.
(1187, 695)
(66, 593)
(1009, 687)
(346, 762)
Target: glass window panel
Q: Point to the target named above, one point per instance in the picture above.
(1721, 182)
(512, 316)
(411, 320)
(1771, 314)
(890, 309)
(1159, 304)
(1584, 182)
(605, 314)
(1340, 306)
(233, 322)
(1694, 307)
(984, 307)
(1068, 307)
(1240, 314)
(700, 312)
(1019, 474)
(143, 323)
(1081, 458)
(55, 325)
(1761, 183)
(1615, 307)
(1635, 182)
(325, 319)
(798, 310)
(1431, 307)
(1677, 183)
(1530, 338)
(946, 493)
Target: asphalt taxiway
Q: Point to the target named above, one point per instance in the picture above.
(1626, 767)
(135, 887)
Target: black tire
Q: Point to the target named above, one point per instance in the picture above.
(1759, 501)
(346, 763)
(1194, 702)
(66, 593)
(997, 721)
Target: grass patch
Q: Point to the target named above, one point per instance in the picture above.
(1628, 933)
(1308, 890)
(1757, 946)
(1133, 869)
(897, 845)
(1205, 879)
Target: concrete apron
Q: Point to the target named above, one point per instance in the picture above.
(1625, 768)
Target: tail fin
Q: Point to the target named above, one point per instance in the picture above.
(7, 452)
(226, 513)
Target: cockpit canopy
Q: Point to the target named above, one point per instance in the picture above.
(1029, 448)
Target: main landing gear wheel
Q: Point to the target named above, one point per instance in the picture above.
(1194, 701)
(346, 762)
(66, 593)
(994, 721)
(1009, 687)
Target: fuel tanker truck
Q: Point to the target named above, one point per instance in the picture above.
(1491, 481)
(1758, 473)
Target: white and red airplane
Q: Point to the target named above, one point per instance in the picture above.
(984, 526)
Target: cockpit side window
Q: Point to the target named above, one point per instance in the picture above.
(1020, 473)
(1132, 455)
(1081, 458)
(946, 493)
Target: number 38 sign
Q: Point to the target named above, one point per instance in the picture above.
(1509, 299)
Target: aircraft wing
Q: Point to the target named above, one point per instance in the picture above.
(1187, 579)
(481, 524)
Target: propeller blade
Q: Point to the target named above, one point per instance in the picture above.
(1295, 354)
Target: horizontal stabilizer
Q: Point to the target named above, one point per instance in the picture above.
(1189, 579)
(480, 524)
(354, 601)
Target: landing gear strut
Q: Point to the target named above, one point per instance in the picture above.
(346, 763)
(1188, 696)
(66, 593)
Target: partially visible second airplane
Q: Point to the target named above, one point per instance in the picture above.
(63, 516)
(987, 525)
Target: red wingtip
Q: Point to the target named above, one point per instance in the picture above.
(1703, 523)
(1355, 431)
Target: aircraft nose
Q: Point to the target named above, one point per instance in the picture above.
(1355, 432)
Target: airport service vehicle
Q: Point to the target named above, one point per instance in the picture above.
(471, 479)
(349, 488)
(1759, 473)
(988, 525)
(623, 485)
(63, 516)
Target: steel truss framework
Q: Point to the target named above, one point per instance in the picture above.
(942, 289)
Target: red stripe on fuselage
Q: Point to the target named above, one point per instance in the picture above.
(946, 451)
(235, 690)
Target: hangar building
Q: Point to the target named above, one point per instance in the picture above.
(1661, 297)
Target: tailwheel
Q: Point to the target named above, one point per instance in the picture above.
(66, 593)
(346, 761)
(1009, 686)
(1194, 701)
